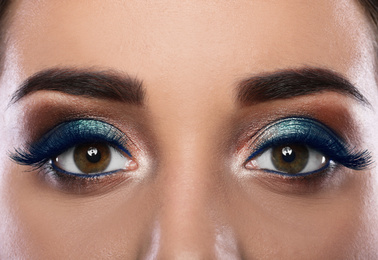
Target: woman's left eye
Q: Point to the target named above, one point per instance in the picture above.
(297, 147)
(290, 160)
(92, 158)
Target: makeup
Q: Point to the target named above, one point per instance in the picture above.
(64, 137)
(314, 136)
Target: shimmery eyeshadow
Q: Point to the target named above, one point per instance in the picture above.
(67, 135)
(314, 134)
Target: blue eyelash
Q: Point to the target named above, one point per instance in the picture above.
(314, 134)
(67, 135)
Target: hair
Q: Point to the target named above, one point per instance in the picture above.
(371, 10)
(4, 9)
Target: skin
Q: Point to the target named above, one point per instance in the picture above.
(191, 196)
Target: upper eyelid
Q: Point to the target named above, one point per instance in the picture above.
(296, 118)
(27, 155)
(112, 128)
(347, 156)
(258, 135)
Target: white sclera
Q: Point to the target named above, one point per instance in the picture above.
(66, 162)
(316, 161)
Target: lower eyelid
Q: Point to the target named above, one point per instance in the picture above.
(307, 185)
(78, 184)
(81, 175)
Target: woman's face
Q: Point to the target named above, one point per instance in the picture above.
(243, 141)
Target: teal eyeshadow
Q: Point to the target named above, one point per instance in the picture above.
(310, 132)
(67, 135)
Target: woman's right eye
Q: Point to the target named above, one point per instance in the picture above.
(92, 159)
(85, 148)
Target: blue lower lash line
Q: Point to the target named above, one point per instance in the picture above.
(96, 175)
(301, 174)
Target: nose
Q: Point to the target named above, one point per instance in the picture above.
(190, 223)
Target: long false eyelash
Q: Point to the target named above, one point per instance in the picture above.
(314, 134)
(67, 135)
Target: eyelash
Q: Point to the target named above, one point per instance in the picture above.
(67, 135)
(310, 132)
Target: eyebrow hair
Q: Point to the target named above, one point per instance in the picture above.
(109, 84)
(285, 84)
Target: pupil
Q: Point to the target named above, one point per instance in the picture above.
(288, 155)
(290, 158)
(93, 155)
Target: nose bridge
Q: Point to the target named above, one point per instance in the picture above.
(188, 185)
(187, 226)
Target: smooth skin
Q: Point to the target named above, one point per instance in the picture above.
(191, 196)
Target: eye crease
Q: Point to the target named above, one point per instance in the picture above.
(297, 147)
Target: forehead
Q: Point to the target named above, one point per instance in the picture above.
(197, 40)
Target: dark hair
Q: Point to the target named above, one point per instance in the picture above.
(371, 9)
(3, 10)
(3, 7)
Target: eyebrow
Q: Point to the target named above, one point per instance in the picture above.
(285, 84)
(109, 85)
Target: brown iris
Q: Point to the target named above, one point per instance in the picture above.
(291, 158)
(92, 157)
